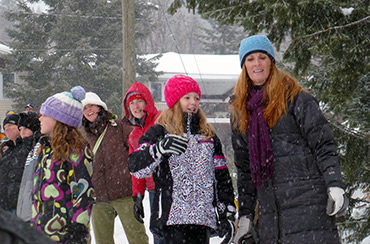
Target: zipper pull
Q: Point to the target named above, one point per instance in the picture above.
(188, 133)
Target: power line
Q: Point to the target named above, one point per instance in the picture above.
(200, 75)
(67, 50)
(178, 49)
(119, 17)
(173, 37)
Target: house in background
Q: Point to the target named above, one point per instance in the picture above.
(5, 103)
(216, 75)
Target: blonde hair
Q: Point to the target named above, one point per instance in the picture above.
(279, 88)
(64, 139)
(172, 120)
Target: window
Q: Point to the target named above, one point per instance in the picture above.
(8, 79)
(156, 90)
(5, 79)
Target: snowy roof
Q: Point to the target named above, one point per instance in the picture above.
(207, 69)
(4, 49)
(199, 66)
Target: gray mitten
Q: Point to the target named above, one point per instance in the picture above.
(337, 202)
(245, 232)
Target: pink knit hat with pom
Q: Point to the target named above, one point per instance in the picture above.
(178, 86)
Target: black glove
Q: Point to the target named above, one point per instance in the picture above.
(226, 224)
(157, 232)
(138, 208)
(226, 229)
(76, 233)
(171, 144)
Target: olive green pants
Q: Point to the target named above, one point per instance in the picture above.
(103, 215)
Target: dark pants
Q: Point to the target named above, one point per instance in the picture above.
(187, 234)
(157, 237)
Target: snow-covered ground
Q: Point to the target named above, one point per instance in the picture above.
(360, 210)
(120, 236)
(366, 240)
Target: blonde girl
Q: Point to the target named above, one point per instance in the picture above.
(193, 189)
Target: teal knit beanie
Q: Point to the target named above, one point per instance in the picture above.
(255, 44)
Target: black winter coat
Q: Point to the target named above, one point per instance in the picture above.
(11, 171)
(195, 197)
(14, 231)
(292, 206)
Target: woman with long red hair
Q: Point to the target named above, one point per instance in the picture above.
(285, 155)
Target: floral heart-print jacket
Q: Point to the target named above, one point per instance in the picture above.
(62, 191)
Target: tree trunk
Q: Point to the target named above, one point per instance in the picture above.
(128, 49)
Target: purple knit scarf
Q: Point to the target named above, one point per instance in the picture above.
(260, 152)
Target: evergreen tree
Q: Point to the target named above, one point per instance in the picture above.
(172, 33)
(220, 38)
(5, 5)
(333, 34)
(328, 44)
(74, 43)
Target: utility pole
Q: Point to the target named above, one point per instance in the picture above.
(128, 46)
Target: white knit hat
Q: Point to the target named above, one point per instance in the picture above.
(93, 98)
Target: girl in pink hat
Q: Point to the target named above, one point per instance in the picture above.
(193, 189)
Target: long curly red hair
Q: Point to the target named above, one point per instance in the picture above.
(279, 88)
(64, 139)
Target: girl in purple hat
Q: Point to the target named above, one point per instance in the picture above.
(193, 189)
(63, 191)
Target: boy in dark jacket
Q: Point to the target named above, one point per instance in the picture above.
(29, 126)
(13, 160)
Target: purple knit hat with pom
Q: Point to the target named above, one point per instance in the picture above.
(177, 87)
(66, 107)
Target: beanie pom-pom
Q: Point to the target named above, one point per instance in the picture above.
(78, 93)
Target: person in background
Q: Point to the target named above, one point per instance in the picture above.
(63, 192)
(11, 164)
(2, 136)
(112, 179)
(9, 112)
(15, 231)
(29, 126)
(29, 108)
(141, 114)
(189, 169)
(285, 155)
(10, 126)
